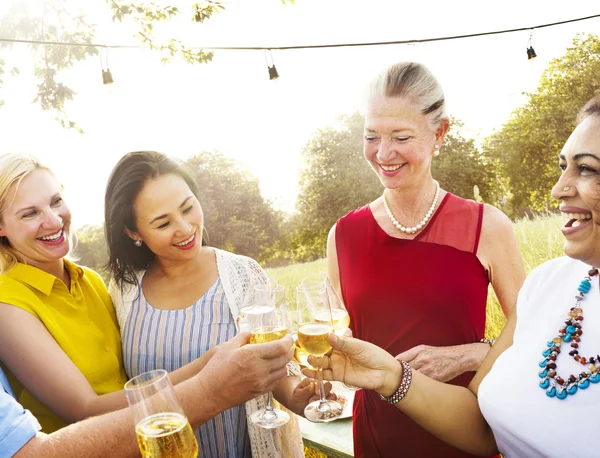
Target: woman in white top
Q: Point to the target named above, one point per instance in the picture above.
(537, 392)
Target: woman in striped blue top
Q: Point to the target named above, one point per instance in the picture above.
(176, 299)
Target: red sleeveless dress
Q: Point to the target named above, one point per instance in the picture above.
(402, 293)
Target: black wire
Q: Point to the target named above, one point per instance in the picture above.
(283, 48)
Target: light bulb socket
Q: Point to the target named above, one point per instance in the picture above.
(107, 77)
(273, 75)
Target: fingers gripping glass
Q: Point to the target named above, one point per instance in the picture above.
(266, 322)
(313, 334)
(161, 427)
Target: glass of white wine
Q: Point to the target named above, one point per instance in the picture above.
(297, 315)
(313, 337)
(161, 427)
(266, 321)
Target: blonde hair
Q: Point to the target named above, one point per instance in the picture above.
(413, 81)
(13, 168)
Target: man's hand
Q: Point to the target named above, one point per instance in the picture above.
(445, 363)
(238, 372)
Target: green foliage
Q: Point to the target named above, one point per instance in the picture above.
(460, 166)
(236, 216)
(335, 179)
(146, 14)
(91, 250)
(526, 149)
(58, 22)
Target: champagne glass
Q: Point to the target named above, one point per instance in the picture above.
(266, 323)
(297, 314)
(161, 427)
(313, 338)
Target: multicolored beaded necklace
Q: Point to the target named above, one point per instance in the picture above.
(554, 385)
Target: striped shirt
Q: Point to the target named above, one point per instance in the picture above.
(169, 339)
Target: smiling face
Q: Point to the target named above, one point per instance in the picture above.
(578, 189)
(35, 219)
(399, 141)
(169, 218)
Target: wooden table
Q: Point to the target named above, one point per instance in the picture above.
(334, 438)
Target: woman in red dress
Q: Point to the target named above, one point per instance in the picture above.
(414, 266)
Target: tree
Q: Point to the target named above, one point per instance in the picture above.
(90, 249)
(64, 21)
(460, 166)
(236, 216)
(526, 148)
(335, 179)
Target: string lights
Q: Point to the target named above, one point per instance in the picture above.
(273, 71)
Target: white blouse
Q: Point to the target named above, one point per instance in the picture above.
(526, 422)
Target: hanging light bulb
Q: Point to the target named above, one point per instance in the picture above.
(530, 51)
(107, 77)
(273, 75)
(106, 74)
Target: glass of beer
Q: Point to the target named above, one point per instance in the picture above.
(266, 322)
(313, 337)
(161, 427)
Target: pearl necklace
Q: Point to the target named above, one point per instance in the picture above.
(554, 385)
(422, 223)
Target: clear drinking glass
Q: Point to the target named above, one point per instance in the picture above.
(313, 336)
(266, 321)
(161, 427)
(297, 314)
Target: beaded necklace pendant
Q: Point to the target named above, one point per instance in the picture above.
(570, 332)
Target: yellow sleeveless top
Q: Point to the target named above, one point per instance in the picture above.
(82, 321)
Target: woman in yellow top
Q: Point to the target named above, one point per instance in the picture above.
(59, 338)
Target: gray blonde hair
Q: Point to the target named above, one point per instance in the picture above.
(13, 168)
(413, 81)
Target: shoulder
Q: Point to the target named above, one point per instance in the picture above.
(18, 294)
(495, 223)
(228, 262)
(548, 272)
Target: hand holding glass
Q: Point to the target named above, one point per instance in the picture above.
(313, 333)
(161, 427)
(266, 323)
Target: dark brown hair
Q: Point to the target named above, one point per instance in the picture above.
(126, 181)
(592, 107)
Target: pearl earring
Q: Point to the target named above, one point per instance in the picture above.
(138, 243)
(437, 150)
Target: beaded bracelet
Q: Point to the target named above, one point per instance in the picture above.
(404, 385)
(490, 342)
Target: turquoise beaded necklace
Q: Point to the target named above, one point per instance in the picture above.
(570, 332)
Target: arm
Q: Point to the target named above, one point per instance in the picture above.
(333, 269)
(233, 376)
(34, 357)
(449, 412)
(499, 253)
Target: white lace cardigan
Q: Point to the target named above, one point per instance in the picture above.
(238, 276)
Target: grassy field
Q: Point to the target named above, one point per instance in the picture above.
(539, 240)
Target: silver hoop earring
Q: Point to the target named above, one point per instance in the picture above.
(138, 243)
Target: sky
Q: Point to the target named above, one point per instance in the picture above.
(229, 105)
